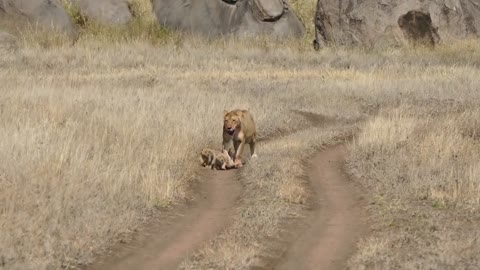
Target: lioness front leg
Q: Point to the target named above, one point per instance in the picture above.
(226, 145)
(239, 145)
(252, 149)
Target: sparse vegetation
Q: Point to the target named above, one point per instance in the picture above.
(305, 9)
(73, 10)
(420, 159)
(97, 135)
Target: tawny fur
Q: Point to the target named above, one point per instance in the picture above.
(216, 159)
(239, 128)
(223, 161)
(207, 156)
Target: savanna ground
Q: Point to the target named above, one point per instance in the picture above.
(97, 136)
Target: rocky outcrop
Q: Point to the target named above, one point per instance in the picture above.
(392, 22)
(47, 13)
(105, 11)
(229, 17)
(418, 29)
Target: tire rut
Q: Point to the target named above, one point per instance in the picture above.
(329, 236)
(165, 241)
(171, 236)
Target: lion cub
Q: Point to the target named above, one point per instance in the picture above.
(216, 159)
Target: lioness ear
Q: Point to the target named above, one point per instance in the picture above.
(225, 112)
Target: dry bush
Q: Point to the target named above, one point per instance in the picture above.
(305, 10)
(142, 9)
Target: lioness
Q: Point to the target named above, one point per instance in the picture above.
(239, 127)
(216, 160)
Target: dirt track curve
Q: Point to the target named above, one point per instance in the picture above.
(164, 243)
(325, 240)
(333, 229)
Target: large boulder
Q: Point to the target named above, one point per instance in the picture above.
(392, 22)
(226, 17)
(47, 13)
(105, 11)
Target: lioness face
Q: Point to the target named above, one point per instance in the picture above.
(231, 122)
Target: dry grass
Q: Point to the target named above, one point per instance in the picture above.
(423, 166)
(406, 93)
(95, 136)
(419, 157)
(439, 87)
(275, 192)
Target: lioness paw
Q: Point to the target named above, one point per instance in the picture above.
(238, 163)
(254, 156)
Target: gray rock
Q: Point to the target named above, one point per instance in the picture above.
(392, 22)
(229, 17)
(47, 13)
(8, 43)
(105, 11)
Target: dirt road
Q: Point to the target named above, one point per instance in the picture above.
(163, 243)
(336, 222)
(325, 240)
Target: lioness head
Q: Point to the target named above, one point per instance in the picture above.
(231, 121)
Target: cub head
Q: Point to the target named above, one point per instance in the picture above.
(205, 152)
(231, 121)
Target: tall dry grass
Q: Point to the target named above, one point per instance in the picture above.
(419, 158)
(403, 94)
(97, 135)
(423, 168)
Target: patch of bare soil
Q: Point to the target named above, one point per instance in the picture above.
(337, 218)
(168, 239)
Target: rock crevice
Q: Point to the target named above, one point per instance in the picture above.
(394, 22)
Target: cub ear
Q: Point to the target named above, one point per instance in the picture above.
(225, 112)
